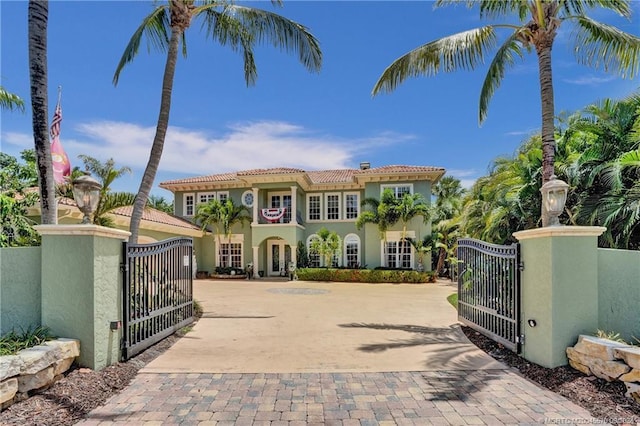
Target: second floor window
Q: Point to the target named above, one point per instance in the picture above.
(314, 208)
(333, 206)
(351, 206)
(398, 190)
(189, 204)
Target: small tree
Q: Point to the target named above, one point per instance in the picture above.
(230, 215)
(326, 245)
(302, 257)
(208, 214)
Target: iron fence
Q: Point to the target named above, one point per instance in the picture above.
(489, 290)
(158, 292)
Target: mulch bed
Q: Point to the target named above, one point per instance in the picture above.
(604, 400)
(70, 399)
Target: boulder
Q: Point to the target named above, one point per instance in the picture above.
(631, 376)
(607, 370)
(62, 365)
(8, 390)
(10, 365)
(68, 348)
(598, 348)
(580, 367)
(40, 379)
(630, 355)
(633, 391)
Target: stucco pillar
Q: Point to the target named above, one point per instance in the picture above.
(559, 293)
(294, 205)
(82, 288)
(255, 206)
(256, 263)
(294, 255)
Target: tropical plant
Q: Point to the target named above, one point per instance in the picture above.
(208, 215)
(15, 198)
(409, 207)
(380, 212)
(159, 203)
(326, 245)
(231, 215)
(238, 27)
(106, 173)
(302, 256)
(596, 44)
(10, 101)
(38, 15)
(422, 248)
(449, 193)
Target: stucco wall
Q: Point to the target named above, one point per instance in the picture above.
(619, 292)
(20, 288)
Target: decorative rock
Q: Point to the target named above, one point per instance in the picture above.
(62, 365)
(10, 365)
(633, 391)
(630, 355)
(8, 390)
(598, 348)
(69, 348)
(632, 376)
(608, 370)
(580, 367)
(28, 382)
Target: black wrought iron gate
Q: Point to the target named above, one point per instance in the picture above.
(158, 292)
(489, 290)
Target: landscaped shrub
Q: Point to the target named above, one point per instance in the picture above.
(12, 342)
(365, 275)
(226, 270)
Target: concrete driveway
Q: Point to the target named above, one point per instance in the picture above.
(276, 327)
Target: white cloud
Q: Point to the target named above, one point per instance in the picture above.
(589, 80)
(20, 140)
(243, 146)
(467, 177)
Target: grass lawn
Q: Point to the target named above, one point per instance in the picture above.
(453, 299)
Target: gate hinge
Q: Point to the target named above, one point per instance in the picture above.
(521, 266)
(520, 339)
(124, 267)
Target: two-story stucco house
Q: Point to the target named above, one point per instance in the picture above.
(290, 205)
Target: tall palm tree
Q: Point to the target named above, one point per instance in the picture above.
(207, 215)
(410, 206)
(38, 15)
(10, 101)
(381, 212)
(326, 245)
(448, 192)
(238, 27)
(231, 215)
(596, 44)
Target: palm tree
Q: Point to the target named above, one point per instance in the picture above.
(38, 15)
(449, 193)
(159, 203)
(238, 27)
(209, 214)
(381, 212)
(106, 173)
(326, 245)
(596, 44)
(231, 215)
(10, 101)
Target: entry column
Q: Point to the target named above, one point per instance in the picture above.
(256, 264)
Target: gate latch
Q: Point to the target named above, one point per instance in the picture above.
(521, 266)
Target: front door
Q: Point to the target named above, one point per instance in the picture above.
(279, 256)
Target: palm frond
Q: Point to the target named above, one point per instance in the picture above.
(156, 27)
(604, 46)
(10, 101)
(464, 50)
(505, 57)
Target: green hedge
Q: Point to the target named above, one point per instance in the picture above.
(365, 275)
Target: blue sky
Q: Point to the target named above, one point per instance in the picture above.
(291, 118)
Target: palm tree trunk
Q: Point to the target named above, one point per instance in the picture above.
(38, 18)
(158, 141)
(441, 258)
(548, 114)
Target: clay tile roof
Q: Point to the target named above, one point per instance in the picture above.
(331, 176)
(221, 177)
(157, 216)
(272, 171)
(401, 169)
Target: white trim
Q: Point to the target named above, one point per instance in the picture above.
(219, 193)
(314, 194)
(310, 238)
(395, 237)
(208, 196)
(394, 186)
(326, 205)
(184, 204)
(235, 239)
(244, 194)
(359, 245)
(344, 203)
(560, 231)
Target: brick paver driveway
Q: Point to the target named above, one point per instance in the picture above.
(289, 353)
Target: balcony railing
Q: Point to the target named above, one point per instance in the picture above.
(275, 221)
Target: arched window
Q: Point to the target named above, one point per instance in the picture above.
(314, 257)
(352, 251)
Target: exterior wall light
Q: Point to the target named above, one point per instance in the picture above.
(86, 193)
(554, 196)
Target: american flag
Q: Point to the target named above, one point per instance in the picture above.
(59, 158)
